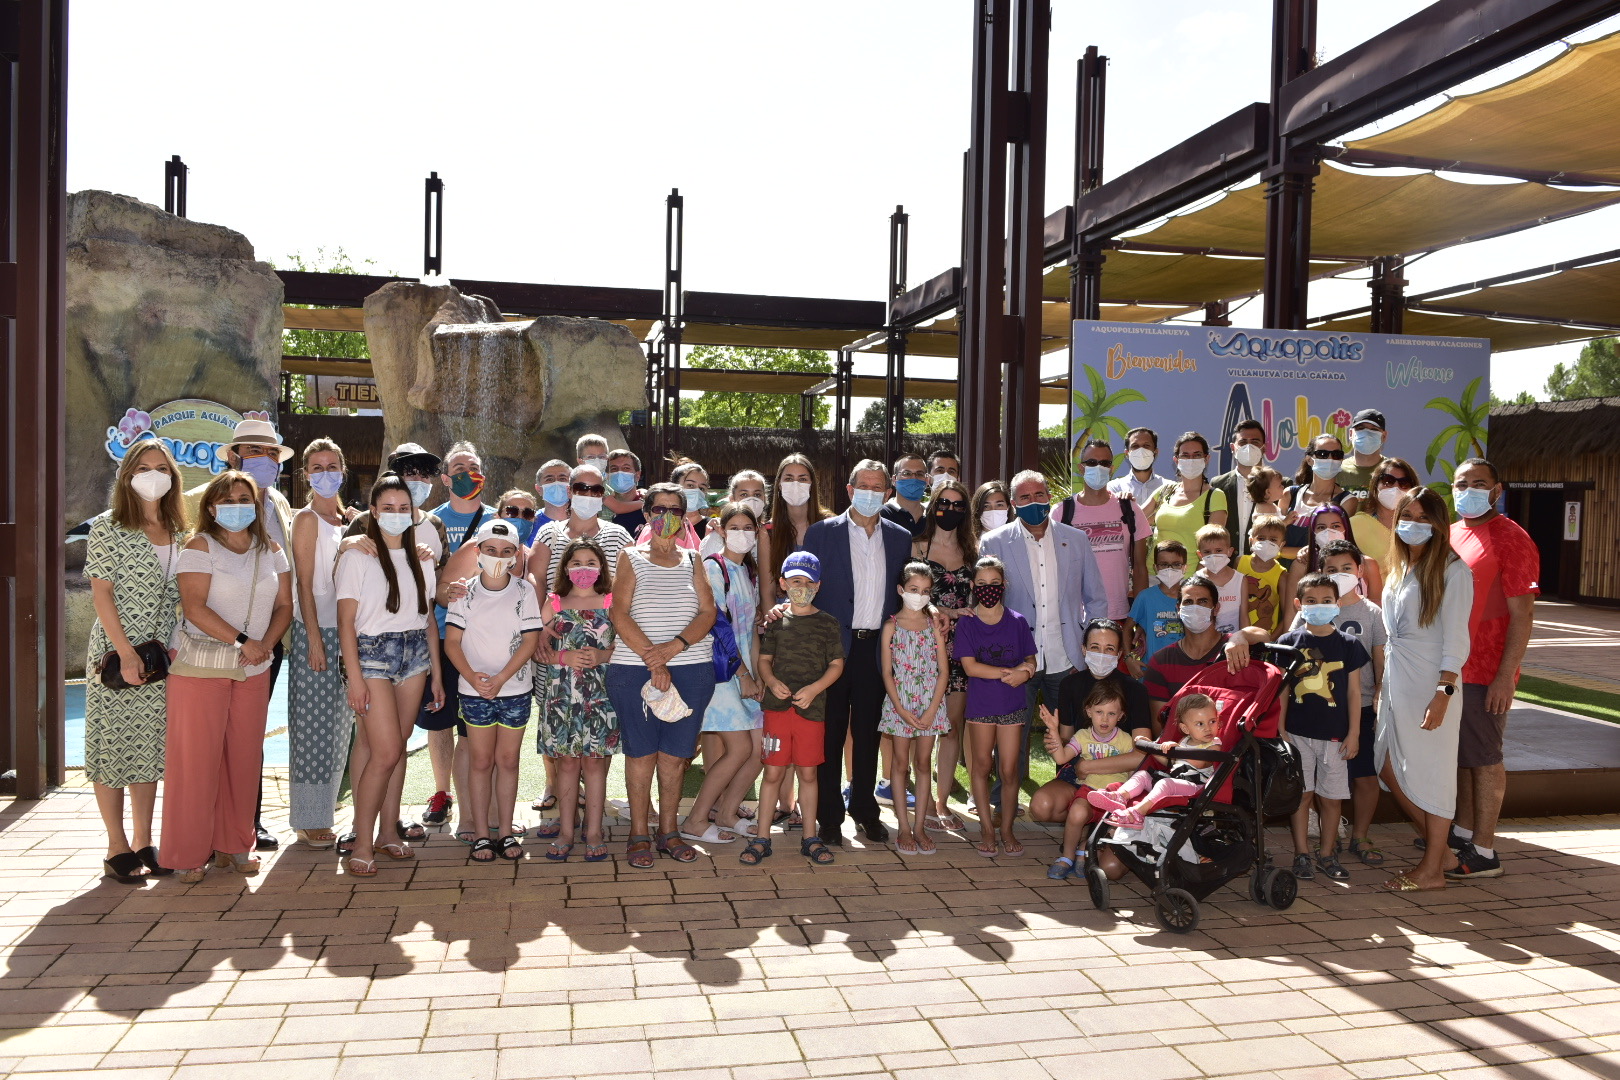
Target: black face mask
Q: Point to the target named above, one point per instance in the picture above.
(950, 518)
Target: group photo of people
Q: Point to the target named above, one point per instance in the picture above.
(878, 676)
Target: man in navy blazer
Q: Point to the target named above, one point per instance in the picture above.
(861, 556)
(1052, 581)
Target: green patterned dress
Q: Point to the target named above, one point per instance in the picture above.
(576, 716)
(124, 730)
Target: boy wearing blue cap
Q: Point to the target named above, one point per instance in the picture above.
(800, 656)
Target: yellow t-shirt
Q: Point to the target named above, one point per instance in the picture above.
(1086, 747)
(1270, 582)
(1183, 522)
(1372, 538)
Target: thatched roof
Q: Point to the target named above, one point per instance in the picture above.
(1520, 433)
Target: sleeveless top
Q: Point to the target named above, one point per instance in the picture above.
(327, 538)
(664, 602)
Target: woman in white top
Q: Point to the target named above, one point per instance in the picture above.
(236, 590)
(319, 720)
(385, 603)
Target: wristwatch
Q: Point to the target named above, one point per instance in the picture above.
(684, 643)
(1446, 688)
(241, 639)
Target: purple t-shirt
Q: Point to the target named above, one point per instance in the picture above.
(1006, 644)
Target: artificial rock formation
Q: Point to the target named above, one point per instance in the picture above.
(448, 367)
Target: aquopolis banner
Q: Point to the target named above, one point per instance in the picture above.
(1434, 392)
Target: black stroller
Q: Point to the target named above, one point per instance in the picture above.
(1183, 853)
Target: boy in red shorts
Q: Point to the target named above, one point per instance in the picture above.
(800, 656)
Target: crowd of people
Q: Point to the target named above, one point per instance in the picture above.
(843, 661)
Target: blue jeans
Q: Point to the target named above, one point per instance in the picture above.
(1042, 689)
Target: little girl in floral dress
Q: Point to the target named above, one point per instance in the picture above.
(916, 668)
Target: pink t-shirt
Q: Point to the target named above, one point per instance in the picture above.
(1111, 544)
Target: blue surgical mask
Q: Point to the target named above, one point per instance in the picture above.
(394, 524)
(696, 499)
(911, 487)
(1472, 502)
(420, 490)
(1034, 514)
(1326, 467)
(326, 484)
(866, 503)
(1319, 614)
(621, 482)
(1366, 440)
(525, 528)
(555, 493)
(234, 517)
(264, 470)
(1414, 532)
(1097, 476)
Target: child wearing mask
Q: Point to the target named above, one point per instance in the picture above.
(1265, 566)
(1215, 554)
(1153, 613)
(916, 669)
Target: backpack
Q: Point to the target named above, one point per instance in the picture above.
(1066, 515)
(727, 655)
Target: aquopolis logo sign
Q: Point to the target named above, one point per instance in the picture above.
(1301, 350)
(195, 431)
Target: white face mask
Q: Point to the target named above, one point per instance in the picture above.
(598, 463)
(586, 506)
(1140, 458)
(992, 519)
(794, 492)
(1215, 563)
(1247, 455)
(1195, 618)
(1170, 575)
(494, 566)
(739, 542)
(914, 601)
(1101, 664)
(151, 485)
(757, 505)
(1191, 467)
(1327, 536)
(1266, 550)
(1346, 582)
(1389, 496)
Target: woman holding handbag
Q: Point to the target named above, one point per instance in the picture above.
(131, 561)
(236, 592)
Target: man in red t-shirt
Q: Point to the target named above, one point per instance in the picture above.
(1506, 564)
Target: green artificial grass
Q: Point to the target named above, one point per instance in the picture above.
(1598, 704)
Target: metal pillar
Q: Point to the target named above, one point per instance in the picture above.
(1215, 314)
(673, 318)
(33, 107)
(175, 172)
(433, 226)
(843, 375)
(1026, 241)
(1388, 289)
(1085, 265)
(894, 386)
(1290, 172)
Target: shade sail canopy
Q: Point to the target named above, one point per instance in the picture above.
(1134, 278)
(940, 337)
(1563, 116)
(1358, 215)
(1505, 336)
(1587, 294)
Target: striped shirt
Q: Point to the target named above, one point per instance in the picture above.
(664, 603)
(608, 536)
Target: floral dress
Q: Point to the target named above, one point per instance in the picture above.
(953, 590)
(916, 669)
(576, 717)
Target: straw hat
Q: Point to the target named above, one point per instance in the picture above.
(259, 433)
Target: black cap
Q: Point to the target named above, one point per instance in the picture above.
(1369, 416)
(412, 458)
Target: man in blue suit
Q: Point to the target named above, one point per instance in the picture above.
(1053, 582)
(861, 558)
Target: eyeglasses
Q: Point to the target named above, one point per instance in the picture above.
(1402, 482)
(587, 489)
(1329, 455)
(1089, 462)
(949, 504)
(517, 512)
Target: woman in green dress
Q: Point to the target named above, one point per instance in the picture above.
(133, 553)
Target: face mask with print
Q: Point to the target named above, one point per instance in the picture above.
(1346, 582)
(1472, 502)
(1389, 496)
(621, 483)
(992, 519)
(1326, 467)
(1195, 618)
(1097, 476)
(1266, 550)
(493, 565)
(1191, 467)
(988, 595)
(866, 503)
(740, 541)
(234, 517)
(665, 526)
(914, 601)
(1318, 614)
(1214, 564)
(1101, 664)
(1140, 458)
(393, 524)
(1366, 440)
(1170, 576)
(326, 484)
(1414, 533)
(949, 519)
(756, 504)
(420, 490)
(1324, 537)
(586, 507)
(1247, 455)
(555, 493)
(583, 577)
(466, 485)
(1034, 514)
(911, 487)
(264, 470)
(151, 485)
(802, 592)
(696, 499)
(794, 492)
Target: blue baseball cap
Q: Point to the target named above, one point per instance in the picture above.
(802, 564)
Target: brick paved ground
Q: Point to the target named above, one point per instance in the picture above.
(1576, 645)
(953, 967)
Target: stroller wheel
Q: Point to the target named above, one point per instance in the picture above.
(1097, 886)
(1281, 888)
(1177, 910)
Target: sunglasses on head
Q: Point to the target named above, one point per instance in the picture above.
(1402, 482)
(1334, 455)
(587, 489)
(518, 512)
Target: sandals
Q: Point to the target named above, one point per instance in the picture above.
(925, 845)
(246, 865)
(512, 830)
(319, 839)
(547, 803)
(512, 848)
(399, 852)
(756, 850)
(1331, 868)
(345, 843)
(740, 827)
(558, 851)
(124, 868)
(194, 875)
(812, 848)
(676, 848)
(943, 822)
(638, 852)
(714, 834)
(467, 836)
(482, 850)
(987, 849)
(148, 857)
(411, 830)
(596, 852)
(362, 867)
(548, 829)
(905, 845)
(1012, 849)
(1363, 849)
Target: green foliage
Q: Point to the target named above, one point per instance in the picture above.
(335, 344)
(872, 420)
(1466, 433)
(1524, 397)
(1595, 373)
(937, 418)
(736, 409)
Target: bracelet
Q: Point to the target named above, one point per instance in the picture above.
(684, 643)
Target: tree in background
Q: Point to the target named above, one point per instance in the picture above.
(872, 420)
(1523, 397)
(335, 344)
(1595, 373)
(936, 418)
(735, 409)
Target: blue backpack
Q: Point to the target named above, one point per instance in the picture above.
(727, 657)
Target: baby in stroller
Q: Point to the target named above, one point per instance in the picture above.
(1129, 802)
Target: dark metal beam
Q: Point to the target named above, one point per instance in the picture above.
(175, 173)
(1388, 288)
(1086, 260)
(673, 319)
(1290, 173)
(432, 226)
(895, 370)
(1026, 239)
(930, 300)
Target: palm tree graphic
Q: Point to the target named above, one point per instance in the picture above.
(1466, 434)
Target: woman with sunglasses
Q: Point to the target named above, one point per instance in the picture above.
(518, 507)
(1315, 484)
(586, 487)
(949, 544)
(1373, 525)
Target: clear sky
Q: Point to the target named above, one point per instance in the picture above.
(793, 130)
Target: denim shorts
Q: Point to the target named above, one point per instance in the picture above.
(641, 732)
(507, 712)
(395, 657)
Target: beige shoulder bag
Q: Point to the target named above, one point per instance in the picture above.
(202, 656)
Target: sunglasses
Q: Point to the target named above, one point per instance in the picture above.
(1088, 462)
(1402, 482)
(518, 512)
(1328, 455)
(587, 489)
(664, 511)
(949, 504)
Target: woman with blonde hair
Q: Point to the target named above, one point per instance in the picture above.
(133, 554)
(1426, 602)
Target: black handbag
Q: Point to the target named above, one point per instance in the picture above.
(154, 661)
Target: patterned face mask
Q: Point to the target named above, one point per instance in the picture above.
(988, 595)
(665, 526)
